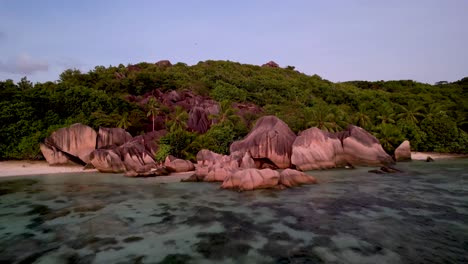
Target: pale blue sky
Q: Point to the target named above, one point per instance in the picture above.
(423, 40)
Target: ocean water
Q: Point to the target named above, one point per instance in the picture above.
(351, 216)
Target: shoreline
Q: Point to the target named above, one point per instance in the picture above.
(12, 168)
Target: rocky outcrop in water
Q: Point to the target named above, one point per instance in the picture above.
(270, 141)
(70, 144)
(403, 152)
(362, 148)
(315, 149)
(178, 165)
(251, 179)
(291, 178)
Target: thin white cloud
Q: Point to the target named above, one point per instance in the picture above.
(23, 64)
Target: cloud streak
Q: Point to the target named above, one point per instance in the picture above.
(23, 64)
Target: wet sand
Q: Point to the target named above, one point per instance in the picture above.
(436, 155)
(26, 167)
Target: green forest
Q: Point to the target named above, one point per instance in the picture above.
(431, 117)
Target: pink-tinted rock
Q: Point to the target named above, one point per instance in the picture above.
(198, 120)
(251, 179)
(270, 139)
(135, 157)
(54, 156)
(112, 137)
(164, 63)
(149, 140)
(247, 162)
(403, 152)
(178, 165)
(315, 149)
(362, 148)
(271, 64)
(291, 178)
(218, 174)
(107, 160)
(78, 140)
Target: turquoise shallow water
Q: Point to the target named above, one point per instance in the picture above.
(352, 216)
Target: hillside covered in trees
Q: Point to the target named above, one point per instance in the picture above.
(432, 117)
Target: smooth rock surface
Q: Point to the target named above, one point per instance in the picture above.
(403, 152)
(362, 148)
(54, 156)
(251, 179)
(270, 139)
(315, 149)
(178, 165)
(112, 137)
(76, 140)
(291, 178)
(107, 160)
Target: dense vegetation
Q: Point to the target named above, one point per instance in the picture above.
(432, 117)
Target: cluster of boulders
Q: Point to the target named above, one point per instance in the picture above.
(270, 156)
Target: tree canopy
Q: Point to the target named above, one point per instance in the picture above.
(432, 117)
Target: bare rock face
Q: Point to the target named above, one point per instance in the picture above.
(315, 149)
(178, 165)
(251, 179)
(164, 63)
(247, 162)
(54, 156)
(362, 148)
(291, 178)
(78, 140)
(271, 64)
(107, 160)
(270, 139)
(135, 157)
(198, 120)
(112, 137)
(222, 168)
(148, 140)
(403, 152)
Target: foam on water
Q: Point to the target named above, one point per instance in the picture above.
(351, 216)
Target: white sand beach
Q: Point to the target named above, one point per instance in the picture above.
(26, 167)
(436, 155)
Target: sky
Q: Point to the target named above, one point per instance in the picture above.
(340, 40)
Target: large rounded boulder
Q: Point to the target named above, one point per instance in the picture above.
(403, 152)
(112, 137)
(178, 165)
(291, 178)
(107, 160)
(271, 140)
(251, 179)
(315, 149)
(362, 148)
(77, 140)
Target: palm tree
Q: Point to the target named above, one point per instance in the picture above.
(389, 136)
(411, 113)
(360, 118)
(124, 121)
(152, 107)
(226, 115)
(386, 114)
(178, 119)
(323, 117)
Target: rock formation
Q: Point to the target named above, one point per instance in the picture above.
(106, 160)
(112, 137)
(76, 142)
(403, 152)
(178, 165)
(198, 120)
(291, 178)
(315, 149)
(362, 148)
(269, 141)
(271, 64)
(164, 63)
(250, 179)
(54, 156)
